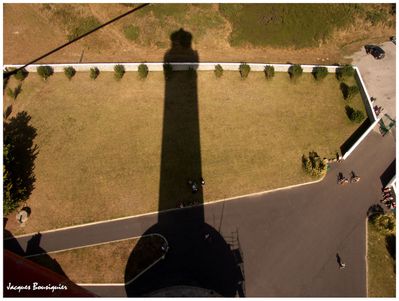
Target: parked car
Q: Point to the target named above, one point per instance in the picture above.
(375, 51)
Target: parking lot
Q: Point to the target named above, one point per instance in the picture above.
(380, 76)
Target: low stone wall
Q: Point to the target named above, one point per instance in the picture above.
(109, 67)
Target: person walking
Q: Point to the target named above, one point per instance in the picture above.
(340, 263)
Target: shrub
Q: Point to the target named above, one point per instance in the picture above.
(348, 92)
(94, 72)
(319, 72)
(45, 71)
(244, 70)
(269, 72)
(345, 72)
(295, 71)
(354, 115)
(143, 71)
(21, 74)
(167, 70)
(314, 165)
(385, 223)
(218, 70)
(69, 72)
(14, 93)
(119, 71)
(131, 32)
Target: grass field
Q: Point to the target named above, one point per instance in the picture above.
(99, 142)
(278, 33)
(94, 265)
(381, 265)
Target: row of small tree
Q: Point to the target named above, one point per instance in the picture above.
(294, 71)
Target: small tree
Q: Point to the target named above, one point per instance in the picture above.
(21, 74)
(69, 72)
(269, 72)
(143, 71)
(45, 71)
(356, 116)
(94, 72)
(218, 70)
(119, 71)
(314, 165)
(319, 72)
(167, 70)
(344, 72)
(295, 71)
(348, 92)
(13, 93)
(244, 70)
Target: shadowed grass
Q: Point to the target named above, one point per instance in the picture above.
(381, 265)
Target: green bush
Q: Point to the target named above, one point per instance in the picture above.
(13, 93)
(218, 70)
(119, 71)
(269, 72)
(143, 71)
(69, 72)
(344, 72)
(244, 70)
(377, 16)
(131, 32)
(167, 70)
(295, 71)
(21, 74)
(314, 165)
(94, 72)
(385, 223)
(319, 72)
(45, 71)
(354, 115)
(348, 92)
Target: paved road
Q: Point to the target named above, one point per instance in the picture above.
(289, 238)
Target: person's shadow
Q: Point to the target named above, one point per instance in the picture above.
(199, 261)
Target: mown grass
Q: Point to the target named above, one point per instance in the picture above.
(287, 25)
(381, 265)
(94, 264)
(100, 141)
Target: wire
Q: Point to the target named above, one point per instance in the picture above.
(9, 73)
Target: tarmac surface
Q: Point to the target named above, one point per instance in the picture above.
(289, 238)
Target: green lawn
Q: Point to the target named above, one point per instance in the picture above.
(99, 142)
(381, 265)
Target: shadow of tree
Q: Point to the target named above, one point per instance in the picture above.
(20, 157)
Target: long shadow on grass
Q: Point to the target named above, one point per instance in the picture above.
(199, 261)
(355, 136)
(19, 156)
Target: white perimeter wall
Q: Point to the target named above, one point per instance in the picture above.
(109, 67)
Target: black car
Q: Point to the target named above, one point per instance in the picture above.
(375, 51)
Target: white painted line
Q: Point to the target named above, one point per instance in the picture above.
(167, 210)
